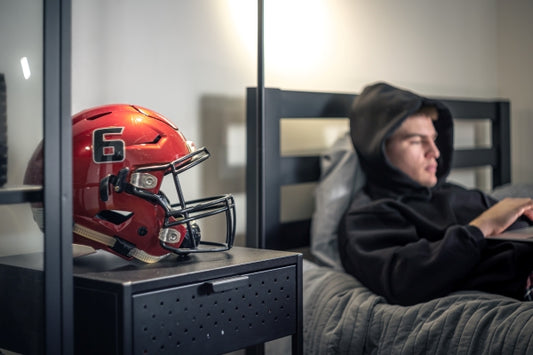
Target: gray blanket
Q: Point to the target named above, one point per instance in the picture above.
(341, 316)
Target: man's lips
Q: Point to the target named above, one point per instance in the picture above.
(432, 168)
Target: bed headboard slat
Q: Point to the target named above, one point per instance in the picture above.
(267, 170)
(296, 170)
(300, 104)
(483, 156)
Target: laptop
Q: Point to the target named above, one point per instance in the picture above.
(519, 235)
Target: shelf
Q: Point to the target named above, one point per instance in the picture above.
(21, 194)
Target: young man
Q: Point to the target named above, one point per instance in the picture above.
(411, 236)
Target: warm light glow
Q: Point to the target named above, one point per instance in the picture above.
(244, 17)
(296, 33)
(25, 67)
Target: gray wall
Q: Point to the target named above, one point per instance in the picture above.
(185, 58)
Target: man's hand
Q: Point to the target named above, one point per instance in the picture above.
(499, 217)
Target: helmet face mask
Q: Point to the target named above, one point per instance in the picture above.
(122, 154)
(182, 212)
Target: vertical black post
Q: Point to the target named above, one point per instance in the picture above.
(58, 290)
(260, 129)
(258, 240)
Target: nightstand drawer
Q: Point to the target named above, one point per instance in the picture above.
(217, 315)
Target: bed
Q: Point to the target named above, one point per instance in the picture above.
(340, 314)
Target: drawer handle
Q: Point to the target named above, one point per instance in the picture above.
(225, 284)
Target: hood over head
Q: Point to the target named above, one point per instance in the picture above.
(376, 113)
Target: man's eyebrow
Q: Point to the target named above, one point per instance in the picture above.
(408, 135)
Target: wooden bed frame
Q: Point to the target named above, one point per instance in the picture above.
(267, 170)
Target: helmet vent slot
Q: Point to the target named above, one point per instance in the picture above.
(153, 141)
(92, 118)
(114, 216)
(156, 139)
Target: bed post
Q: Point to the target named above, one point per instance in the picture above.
(501, 139)
(254, 163)
(262, 168)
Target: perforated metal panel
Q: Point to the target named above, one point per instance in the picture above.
(216, 316)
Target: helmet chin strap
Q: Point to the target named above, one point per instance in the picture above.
(116, 244)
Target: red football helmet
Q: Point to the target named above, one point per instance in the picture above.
(121, 155)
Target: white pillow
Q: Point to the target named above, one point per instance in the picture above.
(340, 178)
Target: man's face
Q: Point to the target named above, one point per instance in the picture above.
(412, 149)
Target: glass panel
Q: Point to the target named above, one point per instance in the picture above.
(479, 178)
(475, 133)
(297, 202)
(191, 61)
(302, 137)
(21, 239)
(22, 69)
(21, 64)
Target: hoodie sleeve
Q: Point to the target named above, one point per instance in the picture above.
(389, 254)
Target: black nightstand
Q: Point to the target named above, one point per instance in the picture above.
(201, 304)
(204, 303)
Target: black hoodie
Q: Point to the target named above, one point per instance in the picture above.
(411, 243)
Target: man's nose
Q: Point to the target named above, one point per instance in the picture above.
(433, 150)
